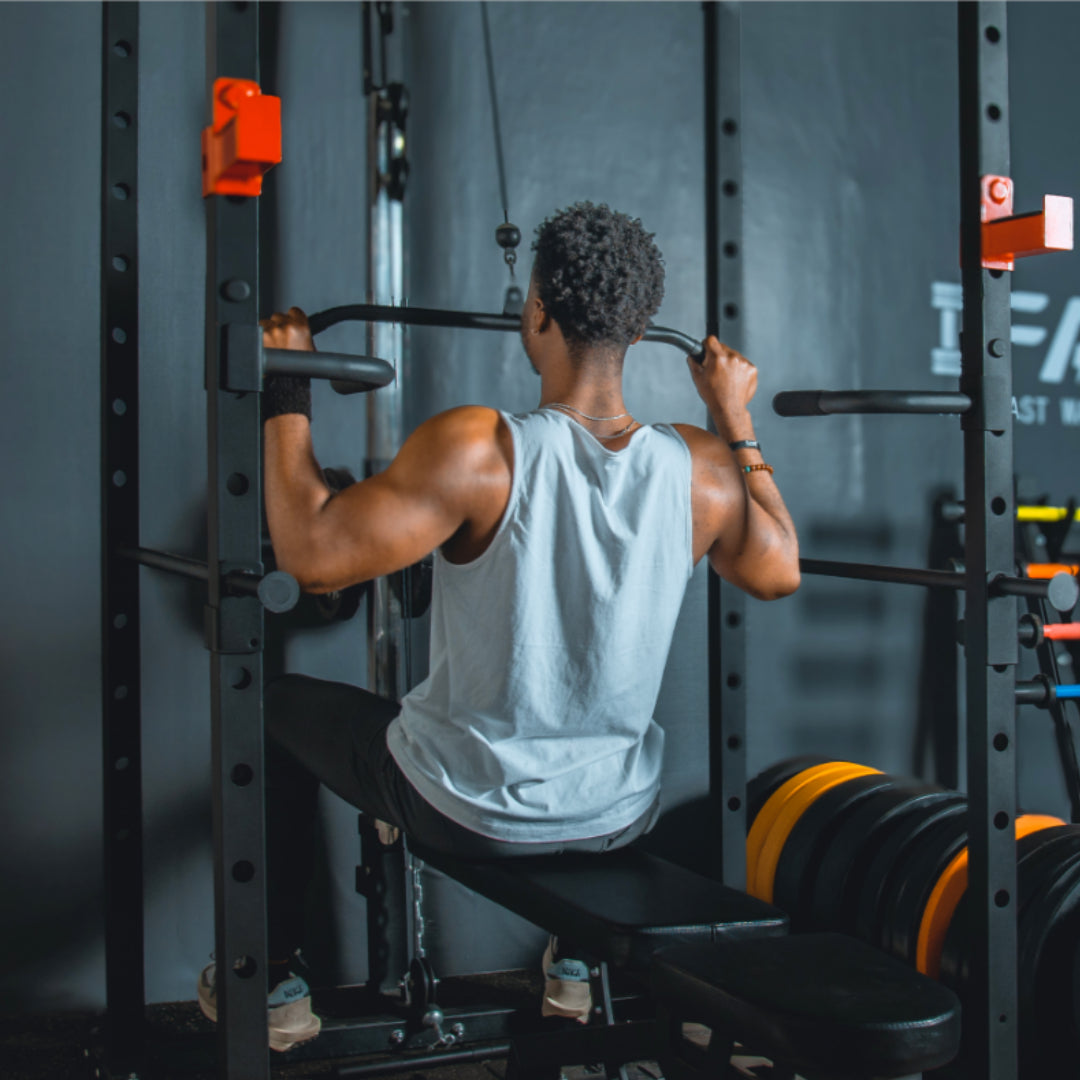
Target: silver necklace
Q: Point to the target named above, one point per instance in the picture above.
(570, 408)
(621, 431)
(605, 438)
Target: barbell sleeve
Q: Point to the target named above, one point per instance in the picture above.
(277, 591)
(1062, 590)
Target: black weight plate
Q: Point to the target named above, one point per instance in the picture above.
(801, 854)
(855, 843)
(1047, 843)
(916, 878)
(1056, 1036)
(769, 780)
(879, 883)
(1047, 914)
(1038, 862)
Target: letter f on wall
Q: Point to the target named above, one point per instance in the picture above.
(1064, 346)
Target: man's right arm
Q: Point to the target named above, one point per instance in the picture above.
(740, 519)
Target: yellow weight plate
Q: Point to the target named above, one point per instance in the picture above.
(793, 809)
(766, 816)
(791, 800)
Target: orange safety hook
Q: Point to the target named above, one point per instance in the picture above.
(1007, 237)
(244, 141)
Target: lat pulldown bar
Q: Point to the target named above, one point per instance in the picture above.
(450, 320)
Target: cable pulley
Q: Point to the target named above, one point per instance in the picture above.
(507, 235)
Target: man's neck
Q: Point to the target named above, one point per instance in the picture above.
(591, 389)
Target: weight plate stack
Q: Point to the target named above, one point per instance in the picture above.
(950, 887)
(1048, 917)
(765, 819)
(916, 876)
(805, 790)
(800, 859)
(761, 788)
(880, 883)
(853, 846)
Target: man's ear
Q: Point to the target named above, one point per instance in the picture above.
(538, 318)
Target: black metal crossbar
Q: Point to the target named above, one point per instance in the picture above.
(464, 320)
(277, 590)
(899, 575)
(1060, 589)
(847, 402)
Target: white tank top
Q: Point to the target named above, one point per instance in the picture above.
(536, 720)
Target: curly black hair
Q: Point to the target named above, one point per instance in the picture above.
(598, 274)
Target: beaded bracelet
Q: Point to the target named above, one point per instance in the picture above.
(762, 467)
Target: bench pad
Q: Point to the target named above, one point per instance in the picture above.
(825, 1004)
(622, 906)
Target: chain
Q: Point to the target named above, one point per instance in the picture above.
(418, 907)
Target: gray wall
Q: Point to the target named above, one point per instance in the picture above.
(851, 215)
(50, 704)
(849, 133)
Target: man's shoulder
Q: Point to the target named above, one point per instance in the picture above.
(700, 441)
(468, 435)
(713, 462)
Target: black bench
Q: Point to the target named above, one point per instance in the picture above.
(824, 1006)
(711, 954)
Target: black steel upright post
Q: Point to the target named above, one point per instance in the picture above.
(990, 1012)
(723, 306)
(235, 623)
(120, 654)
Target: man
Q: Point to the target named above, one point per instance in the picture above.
(564, 539)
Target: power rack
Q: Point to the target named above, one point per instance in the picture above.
(238, 590)
(990, 241)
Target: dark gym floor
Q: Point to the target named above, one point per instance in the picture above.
(54, 1046)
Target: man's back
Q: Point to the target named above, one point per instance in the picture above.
(547, 650)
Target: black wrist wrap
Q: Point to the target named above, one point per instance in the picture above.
(286, 394)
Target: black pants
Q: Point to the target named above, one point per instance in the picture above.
(331, 733)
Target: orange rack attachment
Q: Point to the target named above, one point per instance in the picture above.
(1045, 571)
(244, 141)
(1007, 237)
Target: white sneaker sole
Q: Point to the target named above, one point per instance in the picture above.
(280, 1038)
(570, 1000)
